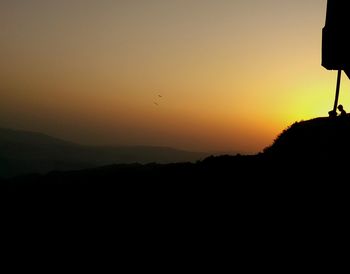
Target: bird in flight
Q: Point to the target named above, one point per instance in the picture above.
(158, 99)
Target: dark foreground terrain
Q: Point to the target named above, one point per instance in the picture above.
(309, 158)
(278, 209)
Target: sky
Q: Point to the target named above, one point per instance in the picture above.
(200, 75)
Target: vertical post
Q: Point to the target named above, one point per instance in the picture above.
(337, 91)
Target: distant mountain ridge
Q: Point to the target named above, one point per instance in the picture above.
(24, 152)
(317, 142)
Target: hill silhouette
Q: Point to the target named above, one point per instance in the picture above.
(319, 139)
(24, 152)
(307, 151)
(281, 196)
(305, 166)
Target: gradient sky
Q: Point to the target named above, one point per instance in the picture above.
(232, 73)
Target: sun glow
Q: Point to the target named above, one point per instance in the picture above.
(232, 74)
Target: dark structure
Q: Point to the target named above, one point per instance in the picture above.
(335, 45)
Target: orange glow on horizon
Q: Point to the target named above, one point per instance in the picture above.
(232, 74)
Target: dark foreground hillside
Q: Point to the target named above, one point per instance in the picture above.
(320, 139)
(268, 210)
(308, 156)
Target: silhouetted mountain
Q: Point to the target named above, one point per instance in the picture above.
(24, 152)
(302, 156)
(284, 193)
(320, 139)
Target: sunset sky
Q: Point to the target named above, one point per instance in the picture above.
(232, 74)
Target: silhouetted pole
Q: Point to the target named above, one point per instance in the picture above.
(337, 91)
